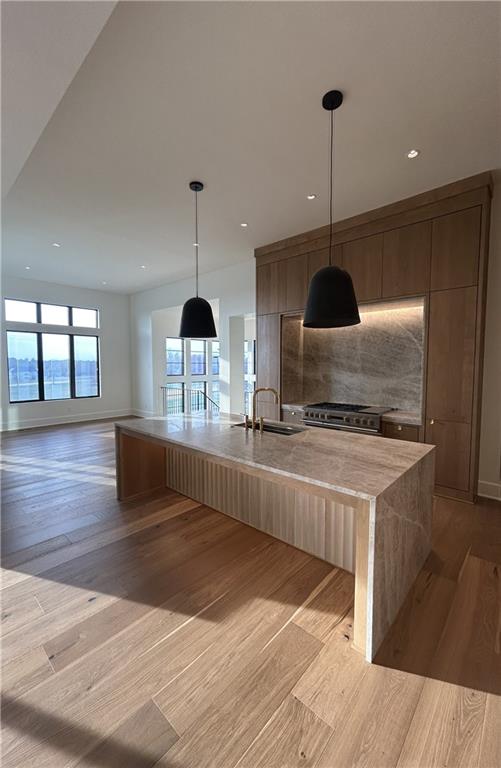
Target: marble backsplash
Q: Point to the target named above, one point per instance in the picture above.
(379, 362)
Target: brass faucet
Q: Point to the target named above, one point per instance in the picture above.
(255, 422)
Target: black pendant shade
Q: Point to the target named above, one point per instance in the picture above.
(331, 300)
(197, 320)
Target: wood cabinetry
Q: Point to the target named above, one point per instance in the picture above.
(433, 245)
(451, 354)
(293, 416)
(317, 260)
(406, 260)
(268, 363)
(455, 249)
(296, 282)
(270, 288)
(401, 431)
(452, 460)
(363, 259)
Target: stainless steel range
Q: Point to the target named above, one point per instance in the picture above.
(356, 418)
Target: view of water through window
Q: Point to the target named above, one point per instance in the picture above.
(24, 363)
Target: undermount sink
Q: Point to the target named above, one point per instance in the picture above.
(278, 429)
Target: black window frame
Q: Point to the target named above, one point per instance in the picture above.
(205, 371)
(38, 310)
(41, 393)
(41, 304)
(73, 386)
(70, 308)
(183, 357)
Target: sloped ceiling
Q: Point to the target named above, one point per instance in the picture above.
(43, 46)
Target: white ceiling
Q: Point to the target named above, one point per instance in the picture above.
(230, 93)
(43, 45)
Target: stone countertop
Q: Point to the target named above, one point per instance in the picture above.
(412, 418)
(395, 417)
(354, 464)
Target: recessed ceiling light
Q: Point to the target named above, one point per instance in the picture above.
(27, 267)
(412, 153)
(56, 245)
(244, 224)
(143, 266)
(104, 282)
(311, 197)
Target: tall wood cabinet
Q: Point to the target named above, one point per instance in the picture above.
(268, 363)
(433, 245)
(363, 259)
(407, 260)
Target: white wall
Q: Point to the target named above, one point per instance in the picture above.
(234, 287)
(115, 359)
(489, 482)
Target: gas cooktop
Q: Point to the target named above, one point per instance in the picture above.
(359, 418)
(338, 406)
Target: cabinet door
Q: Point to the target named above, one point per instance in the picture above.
(268, 363)
(452, 457)
(270, 288)
(401, 431)
(451, 354)
(319, 259)
(363, 260)
(406, 260)
(294, 416)
(296, 282)
(455, 248)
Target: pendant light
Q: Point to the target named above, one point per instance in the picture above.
(331, 298)
(197, 320)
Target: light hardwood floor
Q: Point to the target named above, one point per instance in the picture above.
(162, 633)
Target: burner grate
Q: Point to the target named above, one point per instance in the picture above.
(338, 406)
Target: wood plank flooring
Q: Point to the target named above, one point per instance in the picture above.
(162, 633)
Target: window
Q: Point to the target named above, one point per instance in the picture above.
(22, 354)
(84, 318)
(20, 311)
(56, 366)
(250, 357)
(192, 376)
(174, 349)
(197, 396)
(215, 358)
(215, 392)
(249, 373)
(86, 357)
(198, 357)
(44, 365)
(55, 315)
(174, 398)
(17, 311)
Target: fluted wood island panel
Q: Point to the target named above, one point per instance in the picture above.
(357, 501)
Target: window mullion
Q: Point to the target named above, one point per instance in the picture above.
(41, 390)
(72, 367)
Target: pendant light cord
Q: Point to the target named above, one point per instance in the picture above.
(196, 243)
(331, 184)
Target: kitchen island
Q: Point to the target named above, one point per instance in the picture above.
(358, 501)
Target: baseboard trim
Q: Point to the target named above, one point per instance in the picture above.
(143, 414)
(489, 490)
(54, 421)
